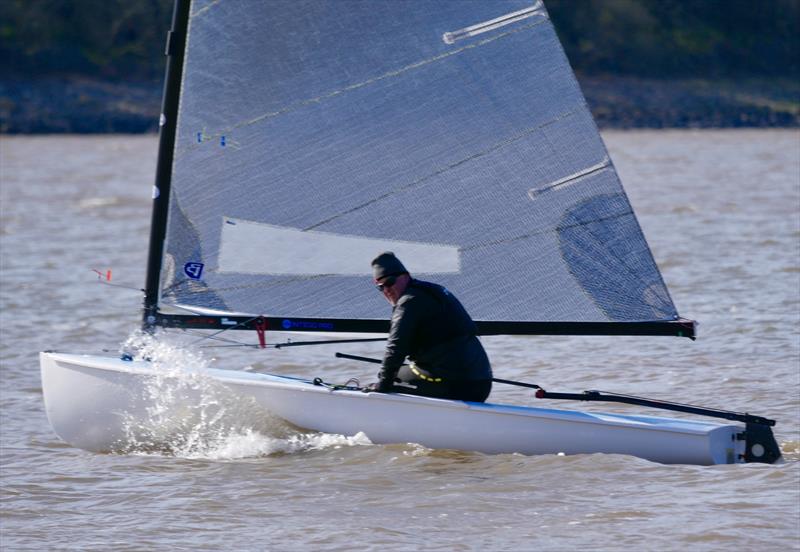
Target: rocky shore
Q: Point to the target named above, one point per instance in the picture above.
(81, 105)
(78, 106)
(625, 102)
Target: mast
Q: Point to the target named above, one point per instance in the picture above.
(176, 43)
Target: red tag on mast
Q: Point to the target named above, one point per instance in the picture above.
(261, 327)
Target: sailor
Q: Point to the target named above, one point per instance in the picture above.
(431, 328)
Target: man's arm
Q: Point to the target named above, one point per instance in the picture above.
(397, 345)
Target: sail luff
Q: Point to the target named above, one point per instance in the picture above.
(168, 123)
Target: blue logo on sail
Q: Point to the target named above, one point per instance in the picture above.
(193, 270)
(306, 325)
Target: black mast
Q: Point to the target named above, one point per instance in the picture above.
(176, 44)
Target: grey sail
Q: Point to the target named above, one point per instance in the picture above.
(312, 135)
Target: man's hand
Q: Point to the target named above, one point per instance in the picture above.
(374, 387)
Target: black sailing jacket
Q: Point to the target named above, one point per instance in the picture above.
(432, 328)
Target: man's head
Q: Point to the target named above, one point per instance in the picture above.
(390, 276)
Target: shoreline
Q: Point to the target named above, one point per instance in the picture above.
(79, 105)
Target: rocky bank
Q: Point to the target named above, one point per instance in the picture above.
(82, 105)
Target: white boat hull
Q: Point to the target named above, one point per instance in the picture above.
(91, 400)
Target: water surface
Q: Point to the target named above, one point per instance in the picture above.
(721, 211)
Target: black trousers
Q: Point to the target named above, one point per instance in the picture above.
(417, 381)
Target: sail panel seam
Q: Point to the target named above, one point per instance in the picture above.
(493, 148)
(204, 9)
(543, 232)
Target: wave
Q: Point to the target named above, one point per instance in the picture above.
(189, 415)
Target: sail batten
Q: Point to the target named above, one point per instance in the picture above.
(486, 26)
(324, 136)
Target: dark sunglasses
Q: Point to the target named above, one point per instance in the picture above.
(388, 282)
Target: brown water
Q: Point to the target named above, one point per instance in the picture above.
(721, 210)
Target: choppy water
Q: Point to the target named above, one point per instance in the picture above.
(721, 210)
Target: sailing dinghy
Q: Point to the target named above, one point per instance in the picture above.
(300, 138)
